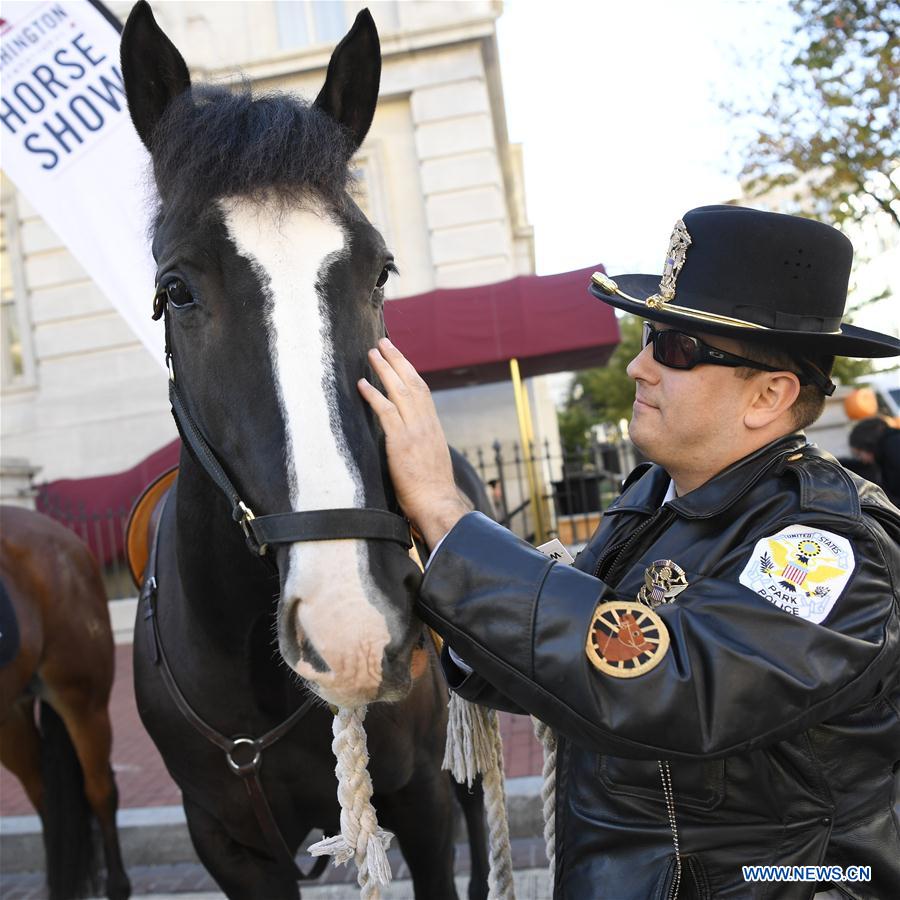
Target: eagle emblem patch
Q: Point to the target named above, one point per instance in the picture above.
(801, 570)
(626, 639)
(664, 580)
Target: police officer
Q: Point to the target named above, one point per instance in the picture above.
(721, 664)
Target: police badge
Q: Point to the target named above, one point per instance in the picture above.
(664, 580)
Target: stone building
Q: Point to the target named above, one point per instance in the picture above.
(437, 174)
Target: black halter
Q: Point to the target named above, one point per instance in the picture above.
(280, 528)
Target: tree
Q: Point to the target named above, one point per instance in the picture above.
(832, 126)
(601, 395)
(850, 371)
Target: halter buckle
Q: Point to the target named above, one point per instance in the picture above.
(246, 518)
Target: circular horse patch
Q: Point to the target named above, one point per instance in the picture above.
(626, 639)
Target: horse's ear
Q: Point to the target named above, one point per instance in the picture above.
(154, 71)
(350, 91)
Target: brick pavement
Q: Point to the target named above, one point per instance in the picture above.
(143, 780)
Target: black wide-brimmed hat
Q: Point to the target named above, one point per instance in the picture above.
(756, 276)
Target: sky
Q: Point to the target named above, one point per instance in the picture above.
(617, 106)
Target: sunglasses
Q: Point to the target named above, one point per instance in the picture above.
(679, 350)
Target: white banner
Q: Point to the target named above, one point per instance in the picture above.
(69, 146)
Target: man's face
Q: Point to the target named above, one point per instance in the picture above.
(688, 418)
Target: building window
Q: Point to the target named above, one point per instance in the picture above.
(309, 22)
(15, 328)
(367, 191)
(361, 187)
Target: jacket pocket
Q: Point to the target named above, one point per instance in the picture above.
(697, 784)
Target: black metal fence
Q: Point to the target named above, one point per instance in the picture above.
(103, 530)
(574, 488)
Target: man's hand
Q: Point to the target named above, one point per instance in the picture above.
(418, 458)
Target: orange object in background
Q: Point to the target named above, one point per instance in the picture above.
(861, 404)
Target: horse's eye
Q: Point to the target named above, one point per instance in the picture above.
(389, 269)
(177, 293)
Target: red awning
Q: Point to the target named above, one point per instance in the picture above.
(464, 336)
(97, 509)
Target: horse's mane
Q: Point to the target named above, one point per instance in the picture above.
(212, 142)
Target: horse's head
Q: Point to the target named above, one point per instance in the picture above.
(630, 633)
(273, 282)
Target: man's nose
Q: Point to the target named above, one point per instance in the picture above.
(642, 366)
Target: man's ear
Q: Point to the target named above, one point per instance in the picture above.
(154, 72)
(350, 91)
(773, 395)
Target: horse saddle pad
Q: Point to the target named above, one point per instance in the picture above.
(143, 522)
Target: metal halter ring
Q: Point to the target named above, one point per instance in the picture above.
(243, 768)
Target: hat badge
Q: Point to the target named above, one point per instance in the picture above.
(675, 257)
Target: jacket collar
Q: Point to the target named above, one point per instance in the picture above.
(717, 494)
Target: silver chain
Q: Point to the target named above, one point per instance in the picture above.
(666, 775)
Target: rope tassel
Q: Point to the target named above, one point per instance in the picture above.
(361, 838)
(469, 750)
(474, 747)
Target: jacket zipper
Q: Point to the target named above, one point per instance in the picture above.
(615, 554)
(610, 561)
(665, 775)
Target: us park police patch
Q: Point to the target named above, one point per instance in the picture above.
(801, 570)
(626, 639)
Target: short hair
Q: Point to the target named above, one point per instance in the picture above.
(811, 400)
(866, 434)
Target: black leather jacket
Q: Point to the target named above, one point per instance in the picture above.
(782, 735)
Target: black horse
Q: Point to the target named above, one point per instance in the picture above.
(270, 280)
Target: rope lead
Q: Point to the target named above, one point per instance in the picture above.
(547, 737)
(474, 747)
(361, 838)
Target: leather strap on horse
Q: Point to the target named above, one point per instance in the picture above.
(280, 528)
(330, 525)
(243, 754)
(287, 528)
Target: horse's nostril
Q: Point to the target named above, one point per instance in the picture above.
(311, 657)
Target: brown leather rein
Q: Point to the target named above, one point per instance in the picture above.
(243, 753)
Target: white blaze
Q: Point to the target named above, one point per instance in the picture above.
(291, 251)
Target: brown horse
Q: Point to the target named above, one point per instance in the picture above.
(56, 647)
